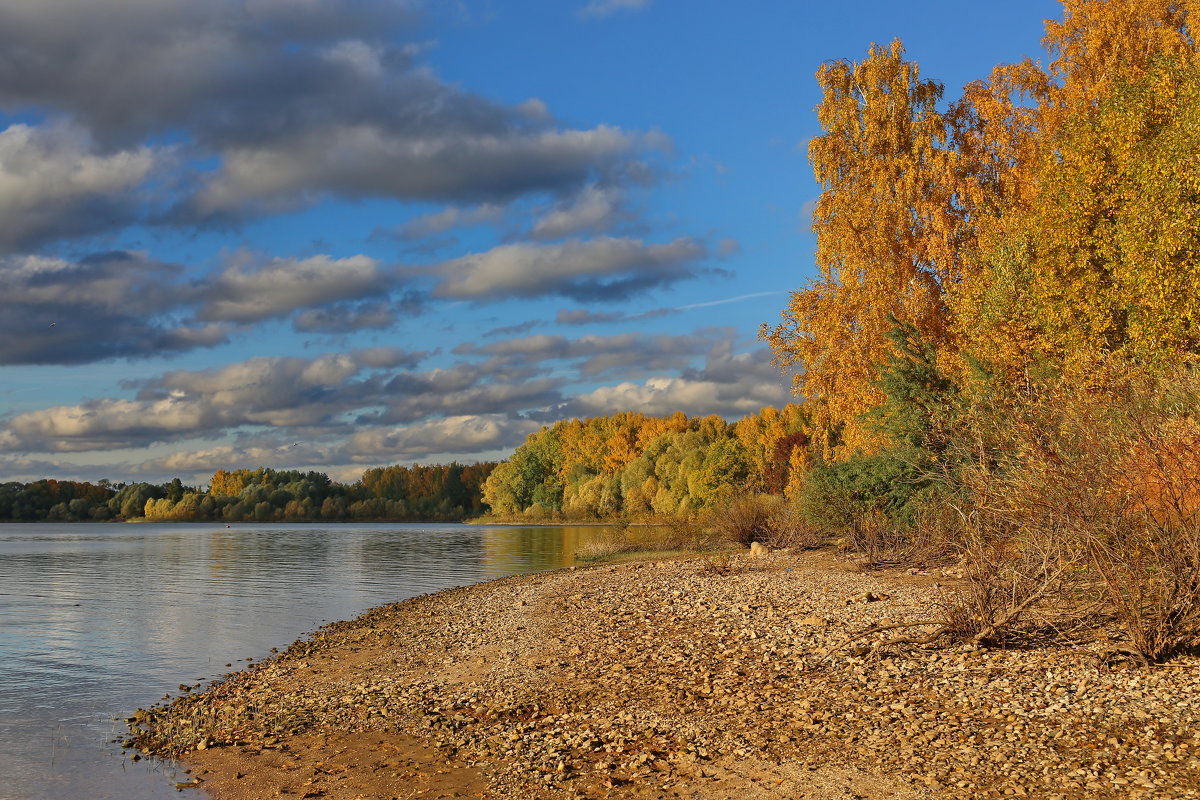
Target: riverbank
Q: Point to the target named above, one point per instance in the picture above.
(702, 678)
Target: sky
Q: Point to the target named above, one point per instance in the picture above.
(340, 234)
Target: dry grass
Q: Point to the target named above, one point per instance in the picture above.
(606, 545)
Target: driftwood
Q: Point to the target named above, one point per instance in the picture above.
(940, 629)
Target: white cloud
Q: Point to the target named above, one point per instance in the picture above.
(373, 160)
(593, 210)
(730, 385)
(629, 352)
(105, 424)
(280, 392)
(449, 217)
(605, 268)
(666, 395)
(458, 434)
(364, 58)
(201, 464)
(249, 293)
(293, 101)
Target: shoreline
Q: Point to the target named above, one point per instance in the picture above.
(704, 677)
(516, 523)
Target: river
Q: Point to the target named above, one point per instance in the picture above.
(99, 619)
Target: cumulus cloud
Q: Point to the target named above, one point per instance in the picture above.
(347, 318)
(593, 210)
(377, 357)
(107, 424)
(184, 404)
(248, 292)
(594, 355)
(450, 217)
(124, 304)
(328, 395)
(208, 460)
(462, 434)
(31, 469)
(54, 184)
(107, 305)
(293, 100)
(278, 391)
(586, 271)
(730, 385)
(128, 68)
(201, 463)
(370, 160)
(462, 390)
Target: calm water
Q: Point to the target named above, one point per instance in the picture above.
(97, 620)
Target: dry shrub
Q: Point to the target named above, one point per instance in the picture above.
(787, 526)
(883, 542)
(1145, 541)
(1087, 491)
(745, 519)
(1018, 580)
(878, 540)
(685, 533)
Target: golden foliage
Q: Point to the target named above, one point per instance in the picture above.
(885, 231)
(1052, 211)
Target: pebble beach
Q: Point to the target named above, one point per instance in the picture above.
(703, 677)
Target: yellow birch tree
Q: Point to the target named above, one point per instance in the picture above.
(885, 230)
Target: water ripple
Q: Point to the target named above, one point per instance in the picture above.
(99, 619)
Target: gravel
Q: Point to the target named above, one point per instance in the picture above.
(726, 677)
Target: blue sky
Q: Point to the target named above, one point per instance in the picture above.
(336, 234)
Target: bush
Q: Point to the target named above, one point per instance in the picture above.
(746, 519)
(1086, 491)
(787, 526)
(687, 534)
(836, 497)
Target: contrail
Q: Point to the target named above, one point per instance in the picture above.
(729, 300)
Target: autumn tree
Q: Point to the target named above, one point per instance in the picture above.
(628, 464)
(1081, 186)
(885, 227)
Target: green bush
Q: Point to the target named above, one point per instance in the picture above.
(836, 496)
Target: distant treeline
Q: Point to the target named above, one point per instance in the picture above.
(435, 492)
(631, 465)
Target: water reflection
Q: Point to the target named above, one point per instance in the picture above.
(99, 619)
(541, 548)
